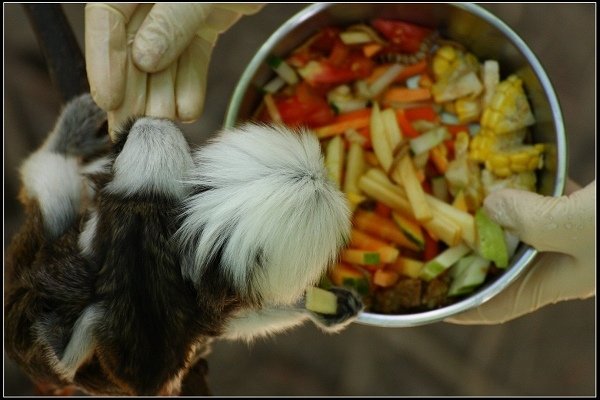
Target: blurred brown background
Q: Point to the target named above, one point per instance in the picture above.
(548, 353)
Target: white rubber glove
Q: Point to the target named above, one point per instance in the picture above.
(563, 230)
(152, 59)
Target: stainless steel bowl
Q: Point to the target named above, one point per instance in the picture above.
(484, 35)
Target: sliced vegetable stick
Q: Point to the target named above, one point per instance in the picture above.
(272, 108)
(362, 240)
(405, 95)
(444, 229)
(464, 220)
(383, 193)
(439, 157)
(274, 85)
(283, 69)
(407, 267)
(405, 125)
(320, 301)
(379, 139)
(460, 202)
(381, 83)
(410, 228)
(390, 122)
(452, 221)
(355, 166)
(443, 261)
(385, 278)
(355, 37)
(382, 227)
(428, 140)
(356, 114)
(338, 128)
(334, 160)
(377, 72)
(414, 190)
(361, 257)
(412, 70)
(346, 276)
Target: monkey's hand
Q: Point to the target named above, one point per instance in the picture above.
(81, 129)
(349, 305)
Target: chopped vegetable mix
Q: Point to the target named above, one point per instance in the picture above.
(416, 131)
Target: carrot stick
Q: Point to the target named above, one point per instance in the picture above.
(405, 125)
(405, 95)
(412, 70)
(439, 157)
(383, 228)
(356, 114)
(431, 248)
(338, 128)
(353, 120)
(362, 240)
(415, 113)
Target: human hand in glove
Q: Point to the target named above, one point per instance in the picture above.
(563, 230)
(152, 59)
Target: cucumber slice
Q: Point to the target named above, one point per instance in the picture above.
(443, 261)
(468, 273)
(490, 240)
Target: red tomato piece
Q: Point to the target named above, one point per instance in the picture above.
(304, 107)
(404, 36)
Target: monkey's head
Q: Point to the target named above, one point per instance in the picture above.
(264, 209)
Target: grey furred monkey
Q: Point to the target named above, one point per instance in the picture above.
(128, 265)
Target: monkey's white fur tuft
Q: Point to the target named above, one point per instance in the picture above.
(154, 159)
(87, 235)
(249, 325)
(263, 200)
(54, 180)
(81, 346)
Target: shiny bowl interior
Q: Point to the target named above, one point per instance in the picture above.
(484, 35)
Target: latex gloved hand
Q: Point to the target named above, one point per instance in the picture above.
(152, 59)
(563, 229)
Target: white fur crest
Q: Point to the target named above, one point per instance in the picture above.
(53, 180)
(155, 158)
(269, 207)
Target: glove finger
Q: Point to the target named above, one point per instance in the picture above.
(190, 88)
(161, 93)
(166, 32)
(552, 278)
(546, 223)
(106, 51)
(242, 8)
(221, 19)
(135, 98)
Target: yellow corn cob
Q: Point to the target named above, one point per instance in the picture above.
(450, 62)
(486, 143)
(508, 109)
(521, 159)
